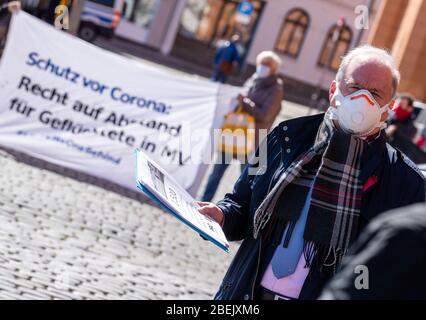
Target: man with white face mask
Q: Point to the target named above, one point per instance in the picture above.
(361, 107)
(327, 176)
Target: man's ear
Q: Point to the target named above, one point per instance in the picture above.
(331, 91)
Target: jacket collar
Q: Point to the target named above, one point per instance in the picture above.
(373, 156)
(299, 131)
(303, 130)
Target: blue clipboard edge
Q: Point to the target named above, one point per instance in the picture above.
(148, 192)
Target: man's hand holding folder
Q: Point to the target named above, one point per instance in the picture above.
(204, 218)
(212, 211)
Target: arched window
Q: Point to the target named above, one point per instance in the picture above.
(336, 45)
(293, 33)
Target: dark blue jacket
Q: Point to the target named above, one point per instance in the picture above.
(227, 52)
(400, 183)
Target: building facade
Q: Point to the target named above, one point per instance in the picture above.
(400, 27)
(309, 35)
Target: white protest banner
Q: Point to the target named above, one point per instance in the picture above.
(73, 104)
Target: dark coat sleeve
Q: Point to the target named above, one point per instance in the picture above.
(412, 188)
(236, 205)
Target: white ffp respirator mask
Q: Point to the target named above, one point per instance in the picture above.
(358, 113)
(263, 71)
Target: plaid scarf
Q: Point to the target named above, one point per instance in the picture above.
(333, 163)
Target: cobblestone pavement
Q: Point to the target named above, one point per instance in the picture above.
(64, 239)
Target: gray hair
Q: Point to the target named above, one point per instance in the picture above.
(373, 53)
(269, 55)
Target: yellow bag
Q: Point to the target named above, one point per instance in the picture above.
(237, 135)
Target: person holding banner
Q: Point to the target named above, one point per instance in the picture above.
(326, 177)
(262, 102)
(6, 7)
(12, 6)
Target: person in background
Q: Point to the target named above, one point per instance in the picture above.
(6, 8)
(387, 262)
(49, 13)
(421, 141)
(226, 57)
(262, 101)
(43, 9)
(403, 119)
(322, 180)
(265, 93)
(402, 130)
(12, 6)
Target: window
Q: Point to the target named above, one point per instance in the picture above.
(140, 12)
(293, 33)
(336, 45)
(209, 21)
